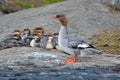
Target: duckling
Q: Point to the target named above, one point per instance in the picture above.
(37, 35)
(26, 37)
(55, 40)
(8, 39)
(35, 42)
(49, 43)
(26, 32)
(39, 31)
(11, 42)
(16, 31)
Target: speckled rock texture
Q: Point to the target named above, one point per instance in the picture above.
(86, 18)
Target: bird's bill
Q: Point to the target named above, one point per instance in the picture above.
(53, 17)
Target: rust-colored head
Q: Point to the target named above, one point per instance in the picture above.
(39, 31)
(17, 36)
(62, 18)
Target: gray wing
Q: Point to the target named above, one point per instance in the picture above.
(55, 41)
(43, 41)
(78, 43)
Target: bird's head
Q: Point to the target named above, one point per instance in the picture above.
(36, 37)
(17, 36)
(27, 31)
(16, 31)
(39, 31)
(62, 18)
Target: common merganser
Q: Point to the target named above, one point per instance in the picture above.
(39, 31)
(70, 44)
(11, 35)
(55, 40)
(26, 37)
(10, 42)
(26, 32)
(35, 42)
(45, 42)
(49, 43)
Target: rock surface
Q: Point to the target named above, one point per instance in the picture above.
(86, 18)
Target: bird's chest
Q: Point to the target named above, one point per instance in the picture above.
(49, 45)
(32, 43)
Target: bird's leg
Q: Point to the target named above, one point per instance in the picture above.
(72, 60)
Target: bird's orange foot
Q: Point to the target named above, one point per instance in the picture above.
(72, 60)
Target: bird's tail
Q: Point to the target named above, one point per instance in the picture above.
(90, 51)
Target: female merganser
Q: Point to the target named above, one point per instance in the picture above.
(72, 45)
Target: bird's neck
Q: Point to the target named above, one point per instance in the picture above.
(63, 31)
(62, 35)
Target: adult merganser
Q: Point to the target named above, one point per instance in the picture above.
(72, 45)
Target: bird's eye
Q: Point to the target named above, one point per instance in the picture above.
(57, 16)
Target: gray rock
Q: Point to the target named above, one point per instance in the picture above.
(113, 3)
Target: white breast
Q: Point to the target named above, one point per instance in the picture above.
(32, 43)
(49, 44)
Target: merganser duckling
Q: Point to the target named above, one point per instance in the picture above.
(49, 43)
(55, 40)
(26, 32)
(11, 42)
(26, 37)
(11, 35)
(39, 31)
(15, 40)
(45, 42)
(72, 45)
(35, 42)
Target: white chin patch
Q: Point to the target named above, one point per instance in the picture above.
(83, 45)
